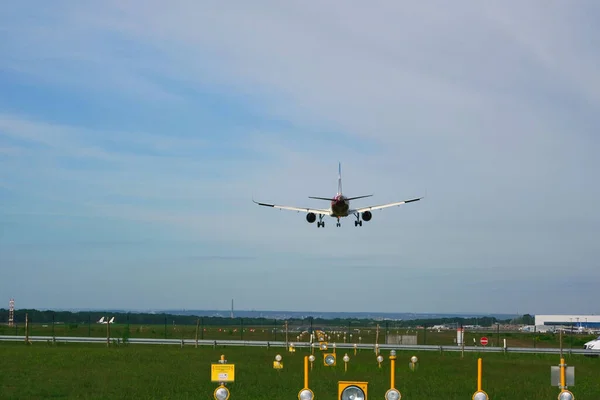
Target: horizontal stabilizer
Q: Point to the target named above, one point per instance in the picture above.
(321, 198)
(359, 197)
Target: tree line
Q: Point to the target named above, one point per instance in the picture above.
(82, 317)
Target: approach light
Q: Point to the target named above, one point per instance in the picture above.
(392, 353)
(306, 394)
(346, 358)
(329, 359)
(414, 359)
(311, 358)
(393, 394)
(278, 357)
(221, 393)
(352, 391)
(480, 395)
(565, 395)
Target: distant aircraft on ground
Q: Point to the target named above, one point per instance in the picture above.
(339, 207)
(102, 321)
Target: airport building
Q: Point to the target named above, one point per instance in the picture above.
(583, 321)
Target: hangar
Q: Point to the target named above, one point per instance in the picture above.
(583, 321)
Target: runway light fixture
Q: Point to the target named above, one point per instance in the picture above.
(566, 395)
(329, 359)
(413, 363)
(221, 393)
(379, 360)
(277, 364)
(352, 390)
(306, 394)
(480, 395)
(311, 358)
(393, 394)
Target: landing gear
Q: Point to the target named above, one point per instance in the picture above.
(321, 223)
(338, 223)
(358, 221)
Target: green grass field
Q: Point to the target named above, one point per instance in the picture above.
(93, 371)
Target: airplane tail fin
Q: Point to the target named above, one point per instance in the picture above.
(339, 178)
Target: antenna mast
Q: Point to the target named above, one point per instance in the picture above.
(11, 312)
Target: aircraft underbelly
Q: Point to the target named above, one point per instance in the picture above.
(340, 209)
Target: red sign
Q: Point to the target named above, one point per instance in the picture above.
(483, 341)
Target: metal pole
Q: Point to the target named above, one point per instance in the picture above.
(571, 338)
(462, 334)
(197, 325)
(26, 328)
(498, 331)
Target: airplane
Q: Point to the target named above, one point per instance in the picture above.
(339, 207)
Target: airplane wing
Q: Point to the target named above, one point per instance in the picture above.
(299, 209)
(379, 207)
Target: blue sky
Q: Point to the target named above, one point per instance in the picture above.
(134, 135)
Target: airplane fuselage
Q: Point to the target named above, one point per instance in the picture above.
(339, 206)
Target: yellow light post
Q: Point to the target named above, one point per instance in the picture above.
(480, 394)
(392, 393)
(413, 363)
(222, 372)
(277, 364)
(305, 393)
(346, 359)
(564, 393)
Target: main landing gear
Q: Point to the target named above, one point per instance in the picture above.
(338, 223)
(320, 223)
(358, 221)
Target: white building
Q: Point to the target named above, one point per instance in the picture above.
(583, 321)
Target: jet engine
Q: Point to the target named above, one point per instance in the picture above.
(366, 216)
(311, 217)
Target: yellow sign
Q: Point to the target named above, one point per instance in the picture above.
(222, 372)
(277, 364)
